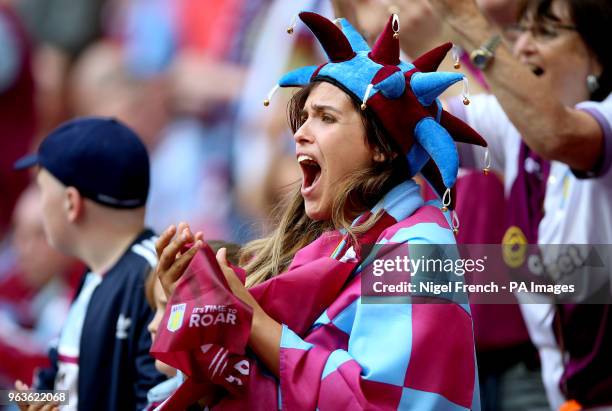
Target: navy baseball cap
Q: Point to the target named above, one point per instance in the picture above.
(101, 157)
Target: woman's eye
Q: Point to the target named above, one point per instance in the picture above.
(547, 32)
(327, 119)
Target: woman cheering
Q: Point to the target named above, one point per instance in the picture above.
(364, 124)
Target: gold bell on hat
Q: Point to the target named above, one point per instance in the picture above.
(466, 91)
(455, 223)
(366, 96)
(291, 27)
(266, 102)
(455, 53)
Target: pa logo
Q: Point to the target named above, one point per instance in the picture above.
(177, 313)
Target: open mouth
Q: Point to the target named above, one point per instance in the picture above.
(537, 70)
(311, 170)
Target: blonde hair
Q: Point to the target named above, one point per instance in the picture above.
(358, 192)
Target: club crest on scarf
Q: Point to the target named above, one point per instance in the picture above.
(403, 96)
(177, 313)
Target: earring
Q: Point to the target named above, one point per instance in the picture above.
(592, 83)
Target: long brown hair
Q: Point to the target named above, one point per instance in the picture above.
(358, 192)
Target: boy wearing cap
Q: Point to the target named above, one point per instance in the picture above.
(94, 181)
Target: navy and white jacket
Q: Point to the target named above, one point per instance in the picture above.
(115, 369)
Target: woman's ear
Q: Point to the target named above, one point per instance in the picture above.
(379, 156)
(73, 204)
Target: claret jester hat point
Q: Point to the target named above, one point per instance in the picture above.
(403, 96)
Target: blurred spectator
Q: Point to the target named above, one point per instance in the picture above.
(203, 69)
(147, 30)
(180, 190)
(61, 29)
(34, 295)
(64, 24)
(502, 341)
(94, 181)
(101, 85)
(17, 112)
(548, 124)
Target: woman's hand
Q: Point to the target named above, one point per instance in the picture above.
(469, 25)
(266, 332)
(173, 258)
(455, 9)
(234, 282)
(421, 28)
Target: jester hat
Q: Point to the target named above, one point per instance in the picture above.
(403, 96)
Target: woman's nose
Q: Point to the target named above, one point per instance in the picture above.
(303, 134)
(524, 45)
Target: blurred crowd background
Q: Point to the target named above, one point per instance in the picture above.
(190, 77)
